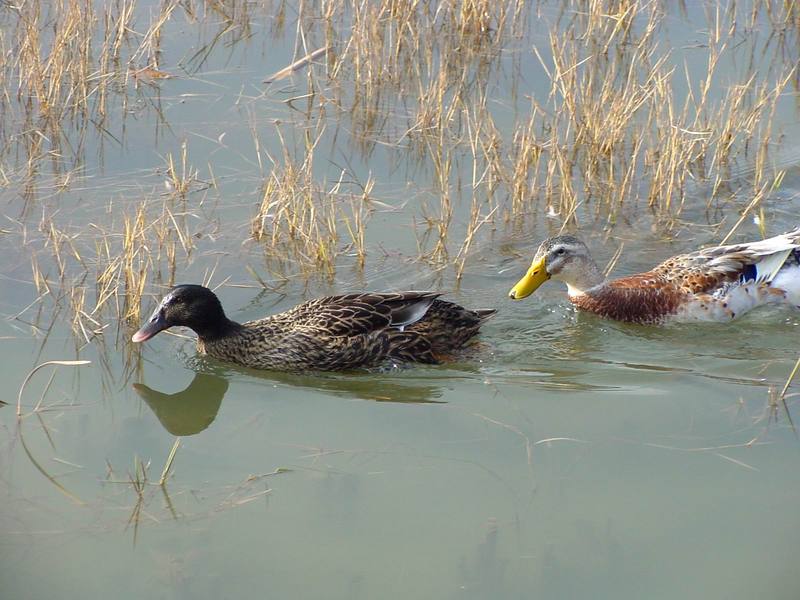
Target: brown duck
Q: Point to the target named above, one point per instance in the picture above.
(327, 334)
(718, 283)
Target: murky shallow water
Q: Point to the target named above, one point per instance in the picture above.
(564, 457)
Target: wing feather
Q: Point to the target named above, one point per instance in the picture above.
(359, 314)
(705, 269)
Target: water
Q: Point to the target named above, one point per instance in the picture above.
(563, 457)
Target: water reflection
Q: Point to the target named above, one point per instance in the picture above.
(375, 387)
(193, 409)
(393, 384)
(189, 411)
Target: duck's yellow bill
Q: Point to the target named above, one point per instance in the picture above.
(535, 277)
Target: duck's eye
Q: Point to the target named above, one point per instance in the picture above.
(560, 252)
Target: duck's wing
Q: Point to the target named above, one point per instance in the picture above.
(706, 269)
(358, 314)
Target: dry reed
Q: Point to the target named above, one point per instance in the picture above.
(626, 121)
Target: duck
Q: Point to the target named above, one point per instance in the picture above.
(718, 283)
(334, 333)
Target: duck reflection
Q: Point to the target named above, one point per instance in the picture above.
(189, 411)
(192, 410)
(362, 387)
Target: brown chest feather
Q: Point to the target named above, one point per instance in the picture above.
(644, 299)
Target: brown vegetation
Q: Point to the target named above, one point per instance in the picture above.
(627, 121)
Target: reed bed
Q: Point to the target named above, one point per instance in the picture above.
(308, 223)
(100, 273)
(612, 131)
(626, 121)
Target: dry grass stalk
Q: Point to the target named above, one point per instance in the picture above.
(37, 410)
(299, 220)
(100, 275)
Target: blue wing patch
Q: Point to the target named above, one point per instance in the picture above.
(748, 274)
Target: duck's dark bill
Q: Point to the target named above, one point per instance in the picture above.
(149, 330)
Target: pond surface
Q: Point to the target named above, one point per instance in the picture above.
(563, 456)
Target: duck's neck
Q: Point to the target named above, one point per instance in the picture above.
(212, 331)
(588, 277)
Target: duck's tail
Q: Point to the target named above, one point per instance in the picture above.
(484, 314)
(448, 326)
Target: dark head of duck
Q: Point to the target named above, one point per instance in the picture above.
(192, 306)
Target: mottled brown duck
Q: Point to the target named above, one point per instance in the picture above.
(712, 284)
(327, 334)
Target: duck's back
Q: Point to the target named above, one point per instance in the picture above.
(351, 331)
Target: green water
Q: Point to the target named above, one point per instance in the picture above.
(562, 457)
